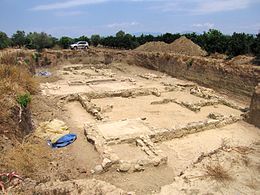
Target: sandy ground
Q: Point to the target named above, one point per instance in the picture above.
(161, 115)
(182, 152)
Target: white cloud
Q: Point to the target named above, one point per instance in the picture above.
(221, 5)
(184, 6)
(68, 13)
(204, 25)
(66, 4)
(122, 25)
(75, 3)
(200, 7)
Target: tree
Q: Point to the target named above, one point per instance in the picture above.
(4, 40)
(82, 38)
(19, 38)
(214, 41)
(145, 38)
(256, 48)
(240, 43)
(40, 41)
(95, 40)
(120, 34)
(65, 42)
(168, 37)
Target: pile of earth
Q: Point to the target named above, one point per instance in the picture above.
(181, 46)
(242, 60)
(154, 46)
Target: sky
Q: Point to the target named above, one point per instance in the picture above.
(105, 17)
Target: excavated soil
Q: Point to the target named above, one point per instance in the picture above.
(144, 132)
(180, 46)
(153, 47)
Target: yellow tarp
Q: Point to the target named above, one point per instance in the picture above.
(52, 130)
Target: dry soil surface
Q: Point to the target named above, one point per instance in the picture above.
(186, 155)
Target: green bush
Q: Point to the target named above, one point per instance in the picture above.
(24, 100)
(40, 41)
(65, 42)
(95, 40)
(19, 39)
(4, 40)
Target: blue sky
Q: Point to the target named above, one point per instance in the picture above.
(85, 17)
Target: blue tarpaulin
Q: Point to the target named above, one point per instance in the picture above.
(63, 141)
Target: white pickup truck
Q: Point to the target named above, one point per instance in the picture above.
(80, 45)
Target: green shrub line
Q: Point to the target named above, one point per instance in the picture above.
(211, 41)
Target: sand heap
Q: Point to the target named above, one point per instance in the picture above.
(242, 60)
(181, 46)
(187, 47)
(153, 46)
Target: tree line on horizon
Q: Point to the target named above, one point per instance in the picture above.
(211, 41)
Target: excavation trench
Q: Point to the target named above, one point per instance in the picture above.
(139, 129)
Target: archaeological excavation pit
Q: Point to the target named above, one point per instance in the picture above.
(133, 127)
(82, 79)
(143, 123)
(151, 120)
(166, 111)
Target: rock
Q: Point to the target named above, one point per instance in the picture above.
(138, 168)
(114, 158)
(132, 80)
(156, 161)
(98, 169)
(139, 143)
(143, 162)
(216, 116)
(124, 167)
(106, 163)
(156, 93)
(95, 111)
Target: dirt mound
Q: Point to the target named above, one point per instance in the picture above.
(219, 56)
(153, 46)
(187, 47)
(182, 46)
(241, 60)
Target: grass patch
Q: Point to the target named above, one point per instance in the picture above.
(28, 159)
(217, 172)
(24, 100)
(9, 58)
(16, 80)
